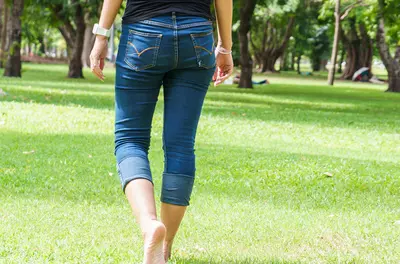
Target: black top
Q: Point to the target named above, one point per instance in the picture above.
(137, 10)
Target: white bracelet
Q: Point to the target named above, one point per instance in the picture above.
(223, 51)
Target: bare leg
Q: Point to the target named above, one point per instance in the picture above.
(140, 194)
(171, 216)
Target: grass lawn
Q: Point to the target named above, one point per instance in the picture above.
(262, 194)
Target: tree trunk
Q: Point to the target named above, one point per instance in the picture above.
(89, 39)
(4, 37)
(324, 62)
(88, 45)
(342, 53)
(74, 37)
(392, 64)
(359, 49)
(316, 64)
(332, 70)
(13, 64)
(268, 64)
(298, 64)
(75, 59)
(293, 60)
(42, 47)
(2, 9)
(246, 63)
(283, 66)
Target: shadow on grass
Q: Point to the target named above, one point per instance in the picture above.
(301, 105)
(26, 95)
(78, 86)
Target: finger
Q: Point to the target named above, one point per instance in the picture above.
(94, 65)
(223, 76)
(217, 76)
(97, 71)
(214, 78)
(102, 64)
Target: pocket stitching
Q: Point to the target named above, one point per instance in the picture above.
(196, 47)
(140, 53)
(155, 56)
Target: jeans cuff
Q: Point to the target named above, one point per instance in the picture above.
(132, 168)
(177, 188)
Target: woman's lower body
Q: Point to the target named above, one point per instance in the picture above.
(177, 53)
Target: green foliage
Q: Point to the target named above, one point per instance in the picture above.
(367, 14)
(65, 9)
(274, 13)
(34, 30)
(392, 18)
(276, 7)
(320, 45)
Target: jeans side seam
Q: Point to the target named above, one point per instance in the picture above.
(175, 41)
(163, 137)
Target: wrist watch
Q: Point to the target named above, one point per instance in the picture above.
(97, 30)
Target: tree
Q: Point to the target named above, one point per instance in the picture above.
(246, 63)
(68, 16)
(270, 38)
(34, 30)
(332, 70)
(91, 17)
(71, 24)
(308, 36)
(2, 24)
(387, 12)
(357, 44)
(13, 48)
(4, 37)
(320, 45)
(339, 16)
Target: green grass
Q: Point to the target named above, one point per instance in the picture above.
(261, 194)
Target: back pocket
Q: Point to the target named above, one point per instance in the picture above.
(142, 50)
(204, 46)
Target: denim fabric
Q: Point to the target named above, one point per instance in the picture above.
(177, 53)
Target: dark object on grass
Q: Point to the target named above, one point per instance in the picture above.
(261, 82)
(306, 73)
(236, 80)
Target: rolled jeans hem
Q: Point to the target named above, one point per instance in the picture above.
(136, 177)
(177, 188)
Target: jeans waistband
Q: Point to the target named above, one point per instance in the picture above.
(174, 21)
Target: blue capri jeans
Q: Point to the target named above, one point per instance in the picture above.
(177, 53)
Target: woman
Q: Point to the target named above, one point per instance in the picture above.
(166, 43)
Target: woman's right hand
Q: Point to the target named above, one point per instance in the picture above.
(98, 55)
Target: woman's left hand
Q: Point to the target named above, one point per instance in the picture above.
(224, 63)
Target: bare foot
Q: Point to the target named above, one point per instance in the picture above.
(153, 243)
(167, 250)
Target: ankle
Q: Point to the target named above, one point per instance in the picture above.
(168, 241)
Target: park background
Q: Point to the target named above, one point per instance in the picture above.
(294, 171)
